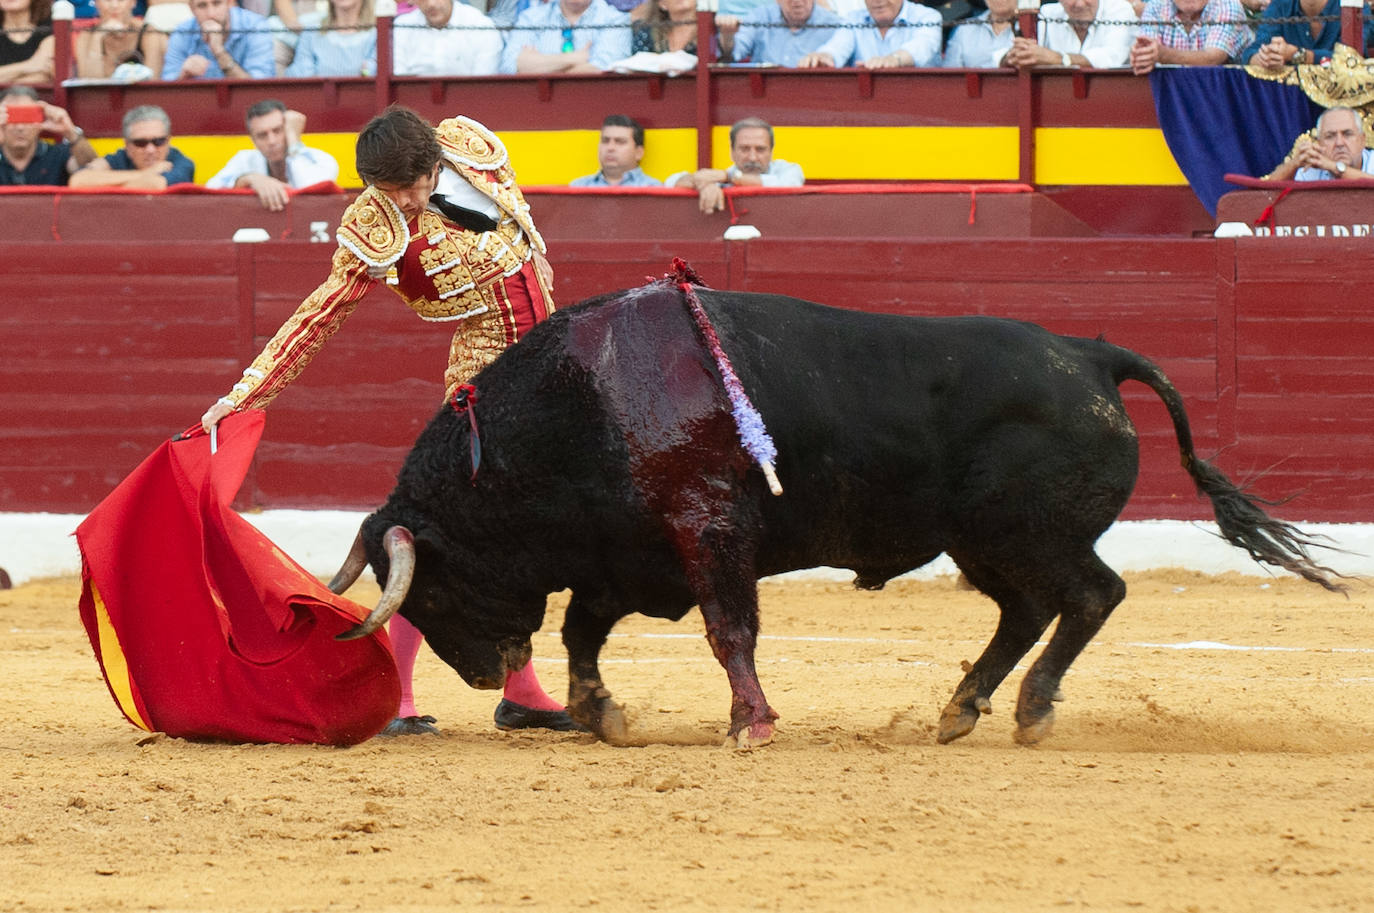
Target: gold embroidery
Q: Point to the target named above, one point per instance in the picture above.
(374, 229)
(1347, 82)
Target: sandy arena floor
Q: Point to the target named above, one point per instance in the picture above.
(1215, 753)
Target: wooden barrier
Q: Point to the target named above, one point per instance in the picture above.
(112, 346)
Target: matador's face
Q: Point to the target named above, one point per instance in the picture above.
(411, 198)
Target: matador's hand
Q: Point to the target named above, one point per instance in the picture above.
(212, 416)
(543, 269)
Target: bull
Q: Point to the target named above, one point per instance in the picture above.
(611, 466)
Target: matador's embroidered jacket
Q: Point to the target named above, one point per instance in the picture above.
(482, 280)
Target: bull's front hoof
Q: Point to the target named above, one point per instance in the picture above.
(756, 735)
(1034, 732)
(958, 719)
(611, 726)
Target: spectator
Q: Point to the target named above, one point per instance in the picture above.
(286, 22)
(148, 160)
(166, 15)
(1078, 33)
(26, 42)
(567, 36)
(1203, 33)
(620, 151)
(345, 44)
(1338, 154)
(981, 42)
(1299, 31)
(751, 149)
(119, 37)
(220, 41)
(779, 33)
(279, 160)
(890, 33)
(445, 38)
(27, 159)
(667, 25)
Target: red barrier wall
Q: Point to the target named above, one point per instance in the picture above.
(112, 347)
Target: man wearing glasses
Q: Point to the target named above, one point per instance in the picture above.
(567, 36)
(148, 160)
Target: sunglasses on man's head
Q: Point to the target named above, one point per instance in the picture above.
(158, 141)
(567, 41)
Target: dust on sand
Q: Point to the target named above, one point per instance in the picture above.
(1215, 752)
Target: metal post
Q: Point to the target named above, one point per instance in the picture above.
(386, 13)
(1352, 24)
(706, 30)
(62, 15)
(1027, 14)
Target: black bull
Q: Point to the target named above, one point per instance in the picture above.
(611, 466)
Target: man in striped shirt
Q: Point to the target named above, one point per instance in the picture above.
(1189, 32)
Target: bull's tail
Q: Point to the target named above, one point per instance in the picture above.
(1242, 520)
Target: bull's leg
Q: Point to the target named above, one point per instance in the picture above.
(1021, 623)
(719, 568)
(732, 630)
(589, 701)
(1087, 597)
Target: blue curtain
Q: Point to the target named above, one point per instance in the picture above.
(1220, 120)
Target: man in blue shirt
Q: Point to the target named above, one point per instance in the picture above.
(220, 41)
(148, 160)
(567, 36)
(620, 151)
(890, 33)
(781, 33)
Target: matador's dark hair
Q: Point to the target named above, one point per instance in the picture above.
(397, 147)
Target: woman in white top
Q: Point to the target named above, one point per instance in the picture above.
(345, 44)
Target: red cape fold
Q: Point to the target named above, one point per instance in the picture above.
(203, 628)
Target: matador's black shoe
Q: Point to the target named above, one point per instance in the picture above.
(510, 715)
(410, 725)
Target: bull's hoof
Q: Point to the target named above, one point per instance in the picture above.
(510, 716)
(1034, 732)
(756, 735)
(958, 719)
(610, 725)
(410, 725)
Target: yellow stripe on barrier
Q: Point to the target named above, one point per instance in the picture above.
(1064, 155)
(1104, 155)
(112, 659)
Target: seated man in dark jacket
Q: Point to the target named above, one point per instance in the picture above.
(148, 160)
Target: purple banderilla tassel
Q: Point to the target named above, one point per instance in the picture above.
(752, 433)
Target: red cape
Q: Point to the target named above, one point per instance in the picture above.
(206, 630)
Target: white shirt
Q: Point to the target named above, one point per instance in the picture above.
(916, 30)
(780, 173)
(304, 166)
(470, 45)
(1106, 46)
(460, 193)
(1319, 174)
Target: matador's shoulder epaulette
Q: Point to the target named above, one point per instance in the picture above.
(374, 229)
(465, 142)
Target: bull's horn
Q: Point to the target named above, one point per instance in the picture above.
(400, 548)
(352, 567)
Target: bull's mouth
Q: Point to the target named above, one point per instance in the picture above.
(516, 653)
(512, 655)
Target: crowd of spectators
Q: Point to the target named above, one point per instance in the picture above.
(212, 39)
